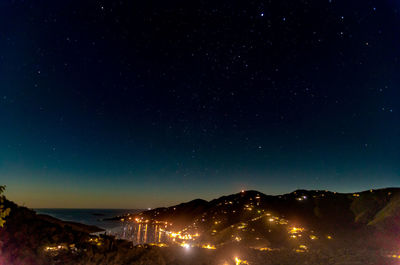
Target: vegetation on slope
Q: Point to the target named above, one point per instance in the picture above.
(30, 239)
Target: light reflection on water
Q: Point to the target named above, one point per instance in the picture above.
(141, 233)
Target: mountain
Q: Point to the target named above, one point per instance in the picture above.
(315, 206)
(253, 217)
(302, 227)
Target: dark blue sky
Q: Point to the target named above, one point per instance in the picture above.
(128, 104)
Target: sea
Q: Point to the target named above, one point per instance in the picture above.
(94, 217)
(138, 234)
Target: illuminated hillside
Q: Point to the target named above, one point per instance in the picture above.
(299, 220)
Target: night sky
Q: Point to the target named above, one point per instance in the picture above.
(126, 104)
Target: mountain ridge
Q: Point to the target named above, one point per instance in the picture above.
(325, 212)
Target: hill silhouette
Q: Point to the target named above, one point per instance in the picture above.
(302, 227)
(319, 212)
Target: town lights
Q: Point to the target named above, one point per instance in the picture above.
(239, 261)
(296, 230)
(186, 246)
(208, 246)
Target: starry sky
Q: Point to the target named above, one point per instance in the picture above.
(132, 104)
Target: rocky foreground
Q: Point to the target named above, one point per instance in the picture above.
(363, 227)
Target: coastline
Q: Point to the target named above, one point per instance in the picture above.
(100, 218)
